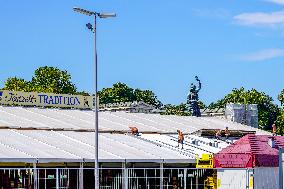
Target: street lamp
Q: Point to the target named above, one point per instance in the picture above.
(94, 30)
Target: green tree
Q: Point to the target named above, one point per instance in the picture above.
(267, 110)
(16, 84)
(120, 92)
(180, 110)
(217, 104)
(46, 79)
(84, 93)
(147, 96)
(201, 105)
(280, 123)
(281, 97)
(52, 80)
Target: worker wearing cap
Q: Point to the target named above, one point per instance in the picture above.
(227, 133)
(180, 138)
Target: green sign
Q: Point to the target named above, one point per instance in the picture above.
(50, 176)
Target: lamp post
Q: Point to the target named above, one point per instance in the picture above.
(94, 30)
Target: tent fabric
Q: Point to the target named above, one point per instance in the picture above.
(250, 151)
(26, 117)
(70, 146)
(67, 135)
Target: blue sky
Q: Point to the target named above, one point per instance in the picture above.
(158, 45)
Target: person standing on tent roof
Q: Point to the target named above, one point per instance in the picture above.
(180, 138)
(218, 134)
(227, 133)
(274, 129)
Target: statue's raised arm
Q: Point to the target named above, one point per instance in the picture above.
(199, 83)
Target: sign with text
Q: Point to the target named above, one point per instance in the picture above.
(45, 99)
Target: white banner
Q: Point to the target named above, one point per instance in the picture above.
(45, 99)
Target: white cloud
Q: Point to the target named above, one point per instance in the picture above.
(281, 2)
(261, 18)
(264, 55)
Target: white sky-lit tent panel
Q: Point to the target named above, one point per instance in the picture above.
(70, 146)
(119, 121)
(52, 135)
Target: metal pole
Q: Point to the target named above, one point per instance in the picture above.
(184, 178)
(35, 176)
(125, 176)
(81, 176)
(57, 179)
(281, 151)
(161, 175)
(196, 179)
(97, 176)
(45, 178)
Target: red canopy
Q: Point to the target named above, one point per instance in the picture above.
(250, 151)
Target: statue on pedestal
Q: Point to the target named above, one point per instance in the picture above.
(192, 98)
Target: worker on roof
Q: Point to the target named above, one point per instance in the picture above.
(274, 129)
(180, 138)
(227, 132)
(134, 131)
(218, 134)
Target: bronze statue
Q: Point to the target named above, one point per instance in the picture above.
(192, 98)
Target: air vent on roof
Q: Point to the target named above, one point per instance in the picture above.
(195, 142)
(271, 142)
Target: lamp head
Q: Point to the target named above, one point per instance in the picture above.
(106, 15)
(90, 26)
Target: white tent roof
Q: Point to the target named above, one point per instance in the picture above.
(111, 121)
(60, 139)
(71, 146)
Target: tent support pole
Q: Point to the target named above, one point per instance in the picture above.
(161, 175)
(35, 176)
(81, 176)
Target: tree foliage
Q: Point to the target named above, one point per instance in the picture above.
(45, 79)
(180, 110)
(280, 119)
(52, 80)
(148, 97)
(280, 123)
(201, 105)
(120, 92)
(281, 97)
(267, 110)
(16, 84)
